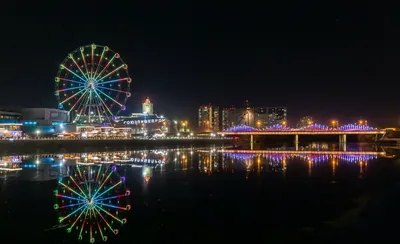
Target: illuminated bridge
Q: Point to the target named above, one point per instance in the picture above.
(314, 129)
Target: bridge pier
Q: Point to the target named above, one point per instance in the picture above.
(296, 141)
(251, 142)
(342, 139)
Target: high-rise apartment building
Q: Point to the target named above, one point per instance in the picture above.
(208, 118)
(304, 122)
(277, 115)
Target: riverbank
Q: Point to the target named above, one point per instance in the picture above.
(61, 146)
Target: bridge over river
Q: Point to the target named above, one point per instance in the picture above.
(314, 129)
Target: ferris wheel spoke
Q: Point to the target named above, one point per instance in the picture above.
(71, 205)
(99, 113)
(112, 72)
(113, 197)
(101, 59)
(84, 62)
(73, 81)
(84, 221)
(71, 97)
(92, 61)
(109, 214)
(80, 189)
(111, 206)
(105, 221)
(85, 105)
(109, 189)
(108, 109)
(109, 97)
(102, 184)
(72, 72)
(105, 67)
(77, 101)
(68, 197)
(77, 65)
(98, 226)
(83, 178)
(111, 81)
(71, 190)
(79, 109)
(111, 89)
(72, 213)
(72, 88)
(77, 218)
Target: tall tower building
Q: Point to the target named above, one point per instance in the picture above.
(208, 118)
(147, 107)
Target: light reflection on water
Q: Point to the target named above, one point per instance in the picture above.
(165, 181)
(44, 167)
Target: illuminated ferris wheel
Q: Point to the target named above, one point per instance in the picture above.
(93, 84)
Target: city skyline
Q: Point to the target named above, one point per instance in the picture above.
(335, 69)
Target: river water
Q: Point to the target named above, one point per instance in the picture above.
(279, 195)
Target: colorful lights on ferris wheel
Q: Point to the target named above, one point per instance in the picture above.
(92, 202)
(93, 84)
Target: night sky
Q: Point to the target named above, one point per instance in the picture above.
(318, 59)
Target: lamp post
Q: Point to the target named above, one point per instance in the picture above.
(37, 133)
(335, 123)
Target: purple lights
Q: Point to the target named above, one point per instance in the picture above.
(314, 158)
(114, 168)
(278, 127)
(314, 127)
(355, 127)
(241, 128)
(123, 179)
(311, 128)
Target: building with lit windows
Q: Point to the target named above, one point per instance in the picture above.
(147, 107)
(44, 121)
(10, 124)
(276, 115)
(142, 123)
(255, 117)
(304, 122)
(208, 118)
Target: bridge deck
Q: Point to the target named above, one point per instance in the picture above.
(300, 152)
(303, 132)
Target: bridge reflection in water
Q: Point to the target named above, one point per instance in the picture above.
(278, 160)
(43, 167)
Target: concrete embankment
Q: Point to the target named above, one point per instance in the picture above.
(62, 146)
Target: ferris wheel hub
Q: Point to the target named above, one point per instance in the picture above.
(91, 84)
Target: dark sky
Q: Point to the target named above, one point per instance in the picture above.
(320, 58)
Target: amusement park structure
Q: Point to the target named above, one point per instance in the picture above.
(93, 85)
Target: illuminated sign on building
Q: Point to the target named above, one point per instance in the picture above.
(146, 121)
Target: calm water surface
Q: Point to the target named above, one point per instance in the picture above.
(212, 194)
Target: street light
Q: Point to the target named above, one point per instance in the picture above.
(335, 123)
(284, 123)
(37, 133)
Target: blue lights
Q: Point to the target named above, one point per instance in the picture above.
(29, 123)
(241, 128)
(355, 127)
(58, 123)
